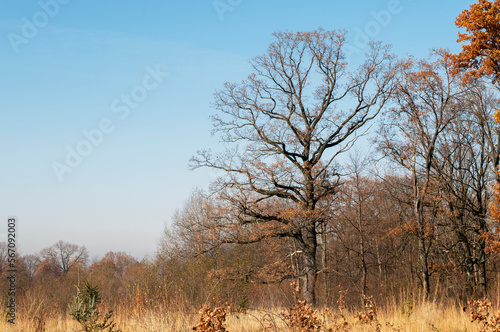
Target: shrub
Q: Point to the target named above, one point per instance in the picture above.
(479, 313)
(212, 320)
(85, 311)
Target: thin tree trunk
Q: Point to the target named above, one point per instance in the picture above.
(424, 265)
(362, 254)
(324, 265)
(419, 194)
(381, 275)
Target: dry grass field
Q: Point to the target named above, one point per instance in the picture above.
(428, 316)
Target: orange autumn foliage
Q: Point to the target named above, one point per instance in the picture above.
(481, 56)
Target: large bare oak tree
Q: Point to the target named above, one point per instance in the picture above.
(284, 128)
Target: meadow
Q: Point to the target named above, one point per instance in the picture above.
(407, 315)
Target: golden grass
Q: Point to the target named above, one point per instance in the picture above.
(428, 316)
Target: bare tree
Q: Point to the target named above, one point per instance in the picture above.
(292, 118)
(65, 255)
(32, 262)
(193, 228)
(465, 167)
(357, 223)
(427, 102)
(482, 109)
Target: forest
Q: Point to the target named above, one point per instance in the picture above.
(356, 197)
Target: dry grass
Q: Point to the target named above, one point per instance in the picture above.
(429, 316)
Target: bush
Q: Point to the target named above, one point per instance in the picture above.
(85, 311)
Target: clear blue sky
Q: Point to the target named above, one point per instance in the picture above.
(67, 65)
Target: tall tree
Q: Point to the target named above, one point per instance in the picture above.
(463, 175)
(478, 59)
(292, 117)
(426, 104)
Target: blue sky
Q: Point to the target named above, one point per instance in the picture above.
(67, 65)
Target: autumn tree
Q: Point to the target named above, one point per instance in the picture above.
(465, 167)
(111, 274)
(480, 57)
(426, 98)
(113, 264)
(285, 127)
(489, 120)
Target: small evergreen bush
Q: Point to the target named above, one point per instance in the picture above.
(85, 311)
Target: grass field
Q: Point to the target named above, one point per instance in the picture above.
(429, 316)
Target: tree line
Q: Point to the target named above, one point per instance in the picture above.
(284, 179)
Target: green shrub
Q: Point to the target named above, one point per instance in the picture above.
(85, 311)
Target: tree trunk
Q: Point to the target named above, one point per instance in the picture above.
(424, 266)
(480, 273)
(363, 276)
(422, 248)
(308, 278)
(322, 244)
(364, 268)
(381, 275)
